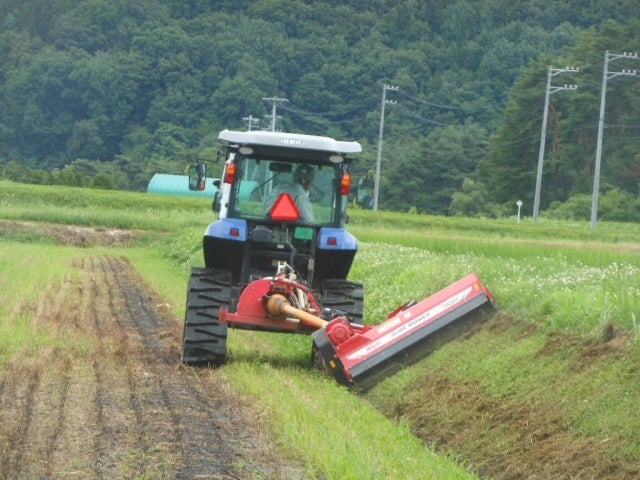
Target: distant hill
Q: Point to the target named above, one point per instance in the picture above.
(127, 89)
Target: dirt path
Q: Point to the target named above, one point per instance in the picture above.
(120, 405)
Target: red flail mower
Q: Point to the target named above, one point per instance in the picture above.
(359, 355)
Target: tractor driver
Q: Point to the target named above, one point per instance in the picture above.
(299, 190)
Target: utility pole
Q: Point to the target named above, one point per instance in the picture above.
(376, 188)
(551, 72)
(606, 75)
(251, 121)
(273, 101)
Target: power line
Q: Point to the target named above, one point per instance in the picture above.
(425, 120)
(425, 102)
(310, 115)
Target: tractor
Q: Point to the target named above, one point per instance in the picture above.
(278, 257)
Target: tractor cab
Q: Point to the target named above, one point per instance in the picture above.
(281, 196)
(262, 166)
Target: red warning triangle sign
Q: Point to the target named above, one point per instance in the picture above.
(285, 209)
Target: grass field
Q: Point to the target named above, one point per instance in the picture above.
(547, 387)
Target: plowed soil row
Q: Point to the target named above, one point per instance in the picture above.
(118, 403)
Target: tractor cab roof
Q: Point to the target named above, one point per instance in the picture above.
(289, 141)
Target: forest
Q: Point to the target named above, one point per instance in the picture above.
(106, 93)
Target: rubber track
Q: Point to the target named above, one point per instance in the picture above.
(204, 338)
(345, 296)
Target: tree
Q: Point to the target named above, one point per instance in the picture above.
(471, 201)
(110, 88)
(104, 181)
(451, 154)
(236, 98)
(137, 86)
(41, 103)
(510, 169)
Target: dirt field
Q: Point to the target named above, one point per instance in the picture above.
(121, 405)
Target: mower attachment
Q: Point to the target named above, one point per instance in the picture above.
(359, 356)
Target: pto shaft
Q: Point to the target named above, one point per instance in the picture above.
(278, 305)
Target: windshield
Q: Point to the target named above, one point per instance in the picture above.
(262, 181)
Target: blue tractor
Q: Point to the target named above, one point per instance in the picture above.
(281, 204)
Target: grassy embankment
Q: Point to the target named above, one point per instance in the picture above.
(562, 289)
(554, 377)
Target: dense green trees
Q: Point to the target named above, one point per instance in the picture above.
(427, 182)
(509, 172)
(122, 89)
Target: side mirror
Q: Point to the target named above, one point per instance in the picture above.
(364, 193)
(197, 176)
(215, 205)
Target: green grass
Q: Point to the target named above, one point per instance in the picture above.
(339, 436)
(551, 290)
(592, 385)
(102, 208)
(564, 286)
(400, 225)
(561, 275)
(26, 273)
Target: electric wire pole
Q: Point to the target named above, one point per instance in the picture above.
(251, 121)
(274, 101)
(376, 187)
(606, 75)
(551, 72)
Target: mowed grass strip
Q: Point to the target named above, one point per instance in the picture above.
(27, 274)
